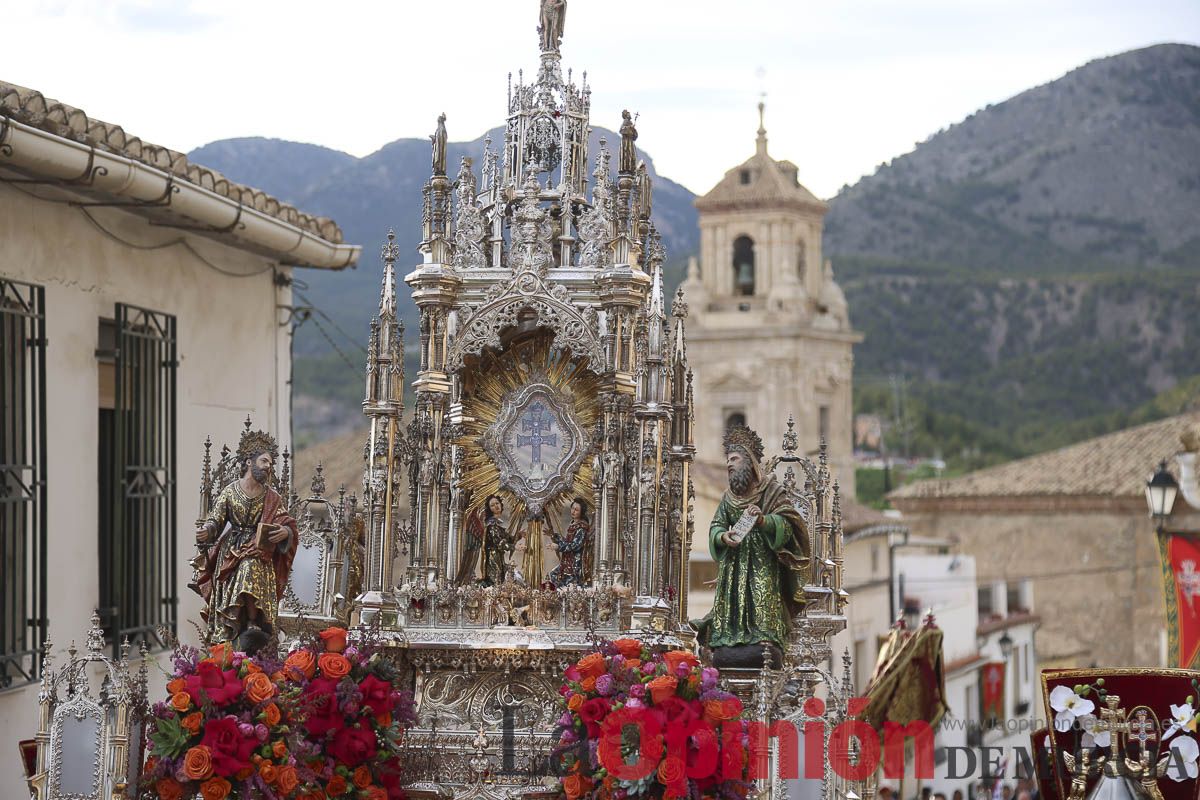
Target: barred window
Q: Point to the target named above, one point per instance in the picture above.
(22, 480)
(137, 475)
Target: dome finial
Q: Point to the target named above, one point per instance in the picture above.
(762, 127)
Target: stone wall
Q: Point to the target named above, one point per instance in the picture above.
(1096, 576)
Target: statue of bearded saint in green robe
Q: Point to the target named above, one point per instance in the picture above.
(759, 579)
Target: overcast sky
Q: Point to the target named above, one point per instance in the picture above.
(849, 83)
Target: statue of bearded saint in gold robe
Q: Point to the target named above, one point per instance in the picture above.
(243, 573)
(759, 579)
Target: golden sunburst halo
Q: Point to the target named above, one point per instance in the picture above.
(493, 377)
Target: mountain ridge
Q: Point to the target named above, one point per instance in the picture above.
(999, 267)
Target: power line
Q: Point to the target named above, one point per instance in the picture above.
(354, 342)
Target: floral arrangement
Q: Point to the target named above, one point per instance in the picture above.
(640, 724)
(324, 722)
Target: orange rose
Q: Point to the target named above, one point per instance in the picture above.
(169, 789)
(633, 663)
(267, 771)
(384, 720)
(336, 785)
(362, 777)
(287, 779)
(662, 687)
(334, 665)
(244, 773)
(670, 771)
(278, 676)
(271, 715)
(676, 657)
(303, 662)
(720, 710)
(221, 653)
(334, 638)
(279, 749)
(259, 688)
(151, 763)
(251, 667)
(588, 684)
(191, 723)
(576, 702)
(375, 793)
(181, 701)
(592, 664)
(630, 648)
(215, 789)
(176, 686)
(573, 785)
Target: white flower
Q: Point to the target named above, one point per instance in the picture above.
(1184, 753)
(1069, 706)
(1092, 737)
(1182, 718)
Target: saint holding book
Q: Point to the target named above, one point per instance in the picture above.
(760, 562)
(246, 570)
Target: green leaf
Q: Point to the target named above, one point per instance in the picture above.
(169, 738)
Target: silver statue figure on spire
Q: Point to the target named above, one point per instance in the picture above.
(550, 24)
(439, 146)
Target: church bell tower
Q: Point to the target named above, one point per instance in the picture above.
(769, 334)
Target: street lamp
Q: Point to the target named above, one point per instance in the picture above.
(1006, 645)
(1160, 493)
(912, 613)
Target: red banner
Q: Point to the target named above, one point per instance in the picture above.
(991, 678)
(1180, 556)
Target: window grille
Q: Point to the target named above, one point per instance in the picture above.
(22, 480)
(138, 532)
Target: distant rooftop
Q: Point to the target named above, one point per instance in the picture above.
(1112, 467)
(760, 181)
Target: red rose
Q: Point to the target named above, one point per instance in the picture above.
(230, 750)
(320, 701)
(377, 695)
(676, 710)
(221, 686)
(353, 746)
(595, 709)
(388, 776)
(593, 712)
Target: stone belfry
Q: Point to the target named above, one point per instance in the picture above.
(769, 335)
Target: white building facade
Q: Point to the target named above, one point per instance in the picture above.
(144, 303)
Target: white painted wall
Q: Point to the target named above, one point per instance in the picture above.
(234, 360)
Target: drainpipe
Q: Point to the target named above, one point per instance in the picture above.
(892, 587)
(44, 154)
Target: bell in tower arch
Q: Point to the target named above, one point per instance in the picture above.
(743, 266)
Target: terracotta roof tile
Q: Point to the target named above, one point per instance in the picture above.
(1115, 465)
(32, 108)
(771, 183)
